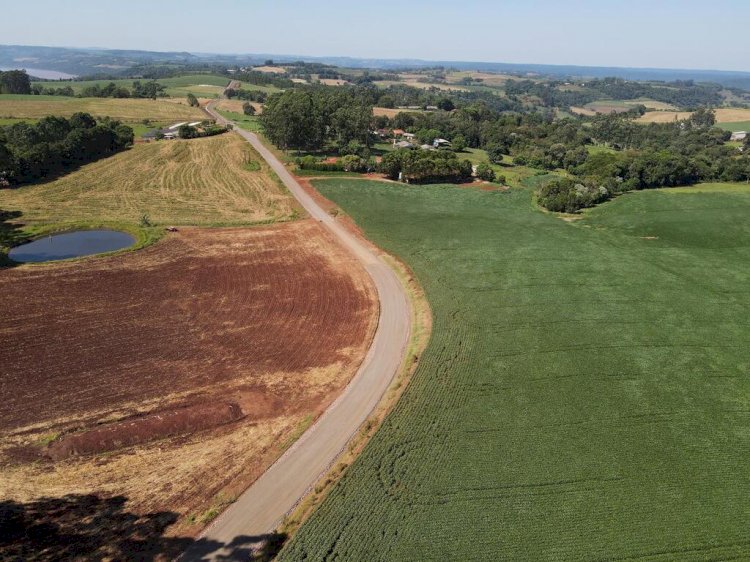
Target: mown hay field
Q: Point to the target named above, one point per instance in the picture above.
(199, 182)
(584, 396)
(723, 116)
(620, 106)
(131, 110)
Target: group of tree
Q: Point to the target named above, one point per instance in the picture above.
(190, 132)
(14, 82)
(247, 95)
(425, 166)
(310, 118)
(636, 156)
(30, 152)
(685, 95)
(149, 90)
(262, 79)
(347, 163)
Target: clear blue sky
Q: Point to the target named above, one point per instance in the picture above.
(711, 34)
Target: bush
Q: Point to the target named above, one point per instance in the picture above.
(312, 163)
(458, 143)
(248, 108)
(567, 196)
(485, 172)
(188, 132)
(495, 153)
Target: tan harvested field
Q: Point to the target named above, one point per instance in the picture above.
(164, 381)
(198, 182)
(487, 78)
(270, 69)
(236, 106)
(333, 81)
(391, 112)
(132, 110)
(620, 106)
(583, 111)
(723, 115)
(417, 84)
(653, 104)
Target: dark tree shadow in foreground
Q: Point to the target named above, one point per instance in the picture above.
(10, 235)
(89, 527)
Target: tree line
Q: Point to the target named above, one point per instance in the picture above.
(15, 82)
(30, 152)
(148, 90)
(309, 118)
(685, 95)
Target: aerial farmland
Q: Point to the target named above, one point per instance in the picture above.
(433, 288)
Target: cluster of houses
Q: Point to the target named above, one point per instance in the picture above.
(169, 133)
(402, 139)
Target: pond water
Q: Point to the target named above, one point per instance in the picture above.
(43, 73)
(71, 245)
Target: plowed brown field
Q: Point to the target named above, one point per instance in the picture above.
(263, 327)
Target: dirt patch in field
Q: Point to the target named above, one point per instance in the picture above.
(142, 429)
(190, 364)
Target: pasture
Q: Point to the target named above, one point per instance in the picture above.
(247, 122)
(584, 395)
(169, 378)
(196, 182)
(128, 110)
(202, 85)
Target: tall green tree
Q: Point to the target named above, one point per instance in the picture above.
(352, 122)
(292, 120)
(15, 82)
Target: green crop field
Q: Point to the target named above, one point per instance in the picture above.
(734, 127)
(585, 394)
(247, 122)
(202, 85)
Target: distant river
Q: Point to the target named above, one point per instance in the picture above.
(44, 74)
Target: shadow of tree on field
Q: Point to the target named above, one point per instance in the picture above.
(247, 548)
(90, 527)
(85, 527)
(10, 235)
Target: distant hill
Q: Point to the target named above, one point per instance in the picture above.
(117, 61)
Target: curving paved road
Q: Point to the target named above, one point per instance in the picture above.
(261, 508)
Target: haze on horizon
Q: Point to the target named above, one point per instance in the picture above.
(689, 34)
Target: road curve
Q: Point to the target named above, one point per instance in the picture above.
(261, 507)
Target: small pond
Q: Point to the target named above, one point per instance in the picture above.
(71, 245)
